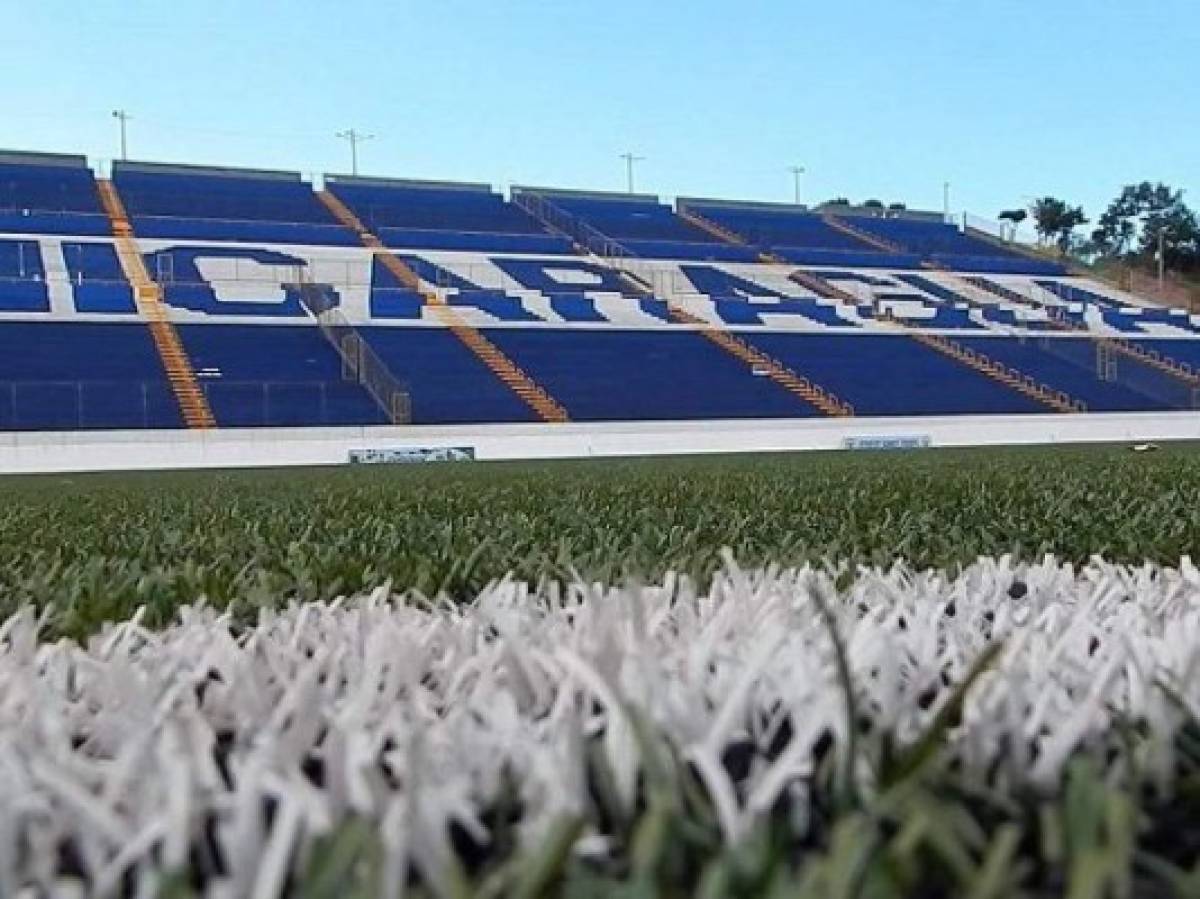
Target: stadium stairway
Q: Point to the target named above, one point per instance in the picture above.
(759, 363)
(360, 362)
(707, 225)
(1057, 401)
(531, 393)
(878, 243)
(148, 297)
(807, 280)
(1015, 247)
(762, 364)
(1185, 375)
(821, 287)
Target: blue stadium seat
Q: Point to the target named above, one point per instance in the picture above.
(612, 375)
(857, 277)
(679, 249)
(395, 302)
(301, 233)
(575, 307)
(1072, 369)
(275, 376)
(550, 276)
(73, 224)
(423, 239)
(63, 373)
(739, 311)
(81, 375)
(796, 235)
(997, 265)
(933, 289)
(225, 204)
(946, 244)
(98, 282)
(1181, 350)
(1074, 293)
(447, 382)
(21, 260)
(891, 375)
(642, 220)
(23, 296)
(49, 194)
(443, 216)
(855, 258)
(22, 277)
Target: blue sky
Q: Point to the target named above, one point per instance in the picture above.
(1005, 99)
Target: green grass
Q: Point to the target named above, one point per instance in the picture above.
(97, 547)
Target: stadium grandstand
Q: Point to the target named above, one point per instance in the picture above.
(172, 296)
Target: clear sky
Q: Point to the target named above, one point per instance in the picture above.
(1004, 99)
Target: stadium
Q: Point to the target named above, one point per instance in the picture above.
(182, 297)
(381, 535)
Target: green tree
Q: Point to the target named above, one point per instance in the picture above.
(1134, 222)
(1056, 221)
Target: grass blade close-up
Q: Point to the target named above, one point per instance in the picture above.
(968, 673)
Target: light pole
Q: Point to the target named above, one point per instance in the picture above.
(123, 118)
(797, 173)
(354, 138)
(946, 200)
(630, 159)
(1162, 258)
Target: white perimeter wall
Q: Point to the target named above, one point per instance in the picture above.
(130, 450)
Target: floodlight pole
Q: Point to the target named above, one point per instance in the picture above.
(798, 172)
(354, 138)
(1162, 258)
(630, 159)
(123, 117)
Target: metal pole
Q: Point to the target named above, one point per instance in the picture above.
(354, 138)
(946, 200)
(122, 117)
(797, 173)
(630, 159)
(1162, 258)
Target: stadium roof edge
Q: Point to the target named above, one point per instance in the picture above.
(33, 157)
(176, 168)
(411, 183)
(766, 205)
(875, 212)
(613, 196)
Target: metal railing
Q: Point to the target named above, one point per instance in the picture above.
(1103, 359)
(1005, 231)
(359, 361)
(586, 237)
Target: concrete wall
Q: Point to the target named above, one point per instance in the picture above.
(132, 450)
